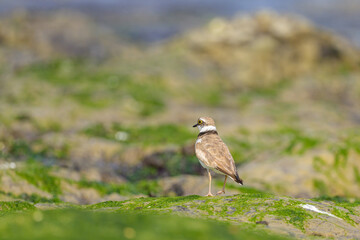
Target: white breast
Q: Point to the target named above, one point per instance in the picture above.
(200, 155)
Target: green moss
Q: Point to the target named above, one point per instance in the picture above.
(273, 143)
(46, 126)
(154, 135)
(154, 203)
(99, 130)
(345, 203)
(170, 164)
(244, 189)
(15, 206)
(107, 204)
(150, 97)
(243, 149)
(348, 141)
(320, 186)
(146, 135)
(100, 225)
(38, 175)
(95, 88)
(261, 91)
(294, 215)
(343, 215)
(20, 148)
(250, 207)
(339, 200)
(105, 188)
(150, 188)
(254, 206)
(297, 142)
(211, 97)
(356, 174)
(38, 149)
(33, 198)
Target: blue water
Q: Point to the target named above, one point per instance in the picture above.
(154, 20)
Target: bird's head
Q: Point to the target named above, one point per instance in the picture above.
(205, 124)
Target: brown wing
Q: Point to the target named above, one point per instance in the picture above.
(213, 152)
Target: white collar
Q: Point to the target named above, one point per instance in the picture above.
(207, 129)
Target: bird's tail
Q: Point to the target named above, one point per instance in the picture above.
(238, 179)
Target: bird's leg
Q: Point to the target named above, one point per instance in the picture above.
(223, 190)
(209, 193)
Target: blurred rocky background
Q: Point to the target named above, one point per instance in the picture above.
(97, 99)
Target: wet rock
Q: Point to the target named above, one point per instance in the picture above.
(180, 209)
(262, 222)
(231, 210)
(158, 159)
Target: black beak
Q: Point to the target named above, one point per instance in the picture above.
(196, 125)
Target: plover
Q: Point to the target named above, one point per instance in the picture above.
(213, 154)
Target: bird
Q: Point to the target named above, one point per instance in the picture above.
(213, 154)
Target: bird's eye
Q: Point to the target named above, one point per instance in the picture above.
(200, 122)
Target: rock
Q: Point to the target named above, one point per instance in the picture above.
(282, 215)
(283, 46)
(188, 150)
(113, 197)
(27, 38)
(180, 209)
(73, 194)
(52, 206)
(278, 225)
(158, 159)
(189, 185)
(91, 174)
(262, 222)
(67, 173)
(313, 174)
(95, 151)
(11, 183)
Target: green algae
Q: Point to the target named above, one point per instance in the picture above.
(39, 175)
(145, 135)
(15, 206)
(66, 224)
(344, 207)
(251, 207)
(295, 215)
(32, 198)
(150, 188)
(246, 208)
(96, 88)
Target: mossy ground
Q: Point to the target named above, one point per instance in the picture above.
(192, 217)
(77, 224)
(248, 207)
